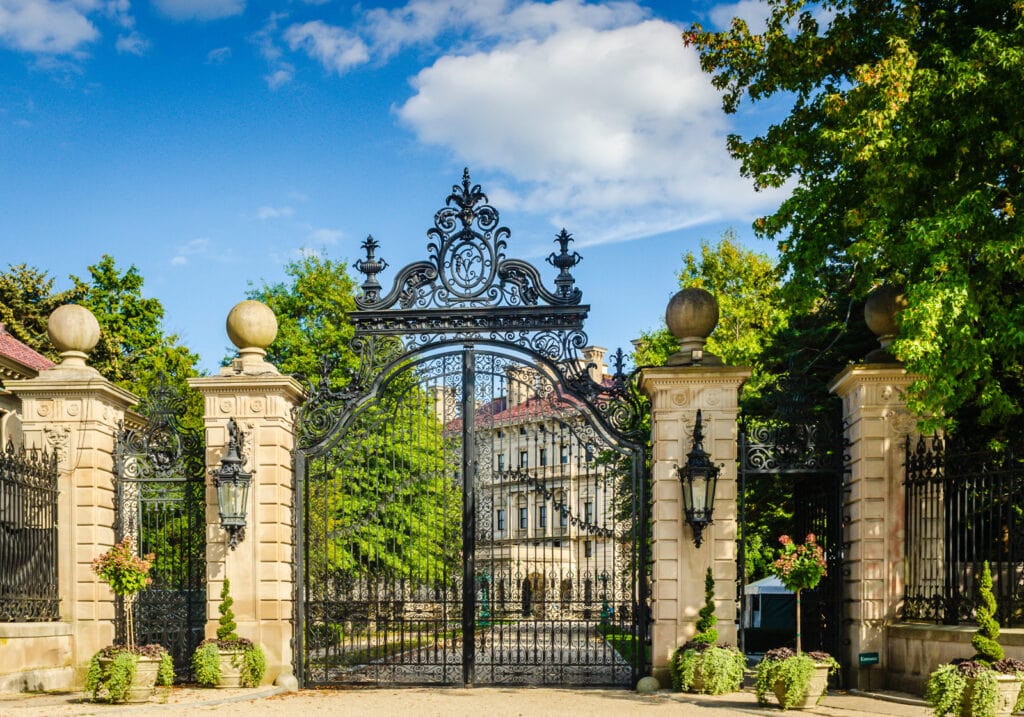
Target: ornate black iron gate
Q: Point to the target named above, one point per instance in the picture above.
(475, 498)
(801, 458)
(161, 506)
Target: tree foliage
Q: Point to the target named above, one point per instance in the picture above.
(27, 298)
(902, 144)
(747, 287)
(133, 351)
(312, 308)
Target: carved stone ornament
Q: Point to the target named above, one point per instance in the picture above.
(900, 421)
(58, 438)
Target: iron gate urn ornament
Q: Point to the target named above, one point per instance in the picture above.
(232, 482)
(699, 478)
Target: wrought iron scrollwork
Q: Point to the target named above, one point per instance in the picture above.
(467, 263)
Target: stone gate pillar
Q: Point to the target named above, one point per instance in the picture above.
(877, 424)
(692, 380)
(260, 568)
(72, 410)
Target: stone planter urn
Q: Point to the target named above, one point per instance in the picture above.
(143, 685)
(1007, 690)
(815, 688)
(230, 668)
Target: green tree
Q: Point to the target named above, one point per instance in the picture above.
(27, 298)
(751, 311)
(312, 308)
(133, 350)
(902, 143)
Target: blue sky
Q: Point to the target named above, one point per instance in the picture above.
(209, 142)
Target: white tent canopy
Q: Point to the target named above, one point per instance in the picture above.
(770, 585)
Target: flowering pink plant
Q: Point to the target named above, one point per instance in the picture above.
(122, 569)
(800, 567)
(126, 573)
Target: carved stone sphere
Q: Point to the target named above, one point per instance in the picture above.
(73, 328)
(692, 313)
(648, 685)
(881, 308)
(251, 324)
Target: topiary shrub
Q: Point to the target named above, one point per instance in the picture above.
(248, 657)
(984, 641)
(706, 619)
(707, 669)
(700, 665)
(226, 625)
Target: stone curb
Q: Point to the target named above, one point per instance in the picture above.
(899, 699)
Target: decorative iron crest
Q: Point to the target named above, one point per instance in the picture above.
(467, 265)
(163, 450)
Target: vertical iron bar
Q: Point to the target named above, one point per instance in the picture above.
(741, 634)
(468, 513)
(641, 537)
(301, 541)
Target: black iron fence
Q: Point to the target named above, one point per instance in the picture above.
(963, 507)
(28, 536)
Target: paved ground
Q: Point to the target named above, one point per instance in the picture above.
(453, 702)
(549, 653)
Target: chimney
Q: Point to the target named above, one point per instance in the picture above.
(595, 355)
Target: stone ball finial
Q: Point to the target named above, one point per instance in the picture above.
(880, 312)
(74, 331)
(252, 325)
(692, 315)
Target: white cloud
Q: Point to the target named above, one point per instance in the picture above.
(267, 212)
(200, 9)
(280, 76)
(195, 247)
(615, 132)
(46, 26)
(218, 56)
(756, 12)
(336, 48)
(422, 21)
(325, 236)
(132, 44)
(753, 12)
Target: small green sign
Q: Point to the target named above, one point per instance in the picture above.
(868, 658)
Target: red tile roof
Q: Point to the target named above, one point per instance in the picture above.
(18, 352)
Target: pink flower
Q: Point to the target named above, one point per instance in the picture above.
(785, 539)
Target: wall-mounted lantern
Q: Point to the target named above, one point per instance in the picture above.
(232, 482)
(699, 478)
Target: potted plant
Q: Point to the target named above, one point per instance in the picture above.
(702, 666)
(988, 684)
(127, 673)
(228, 660)
(797, 679)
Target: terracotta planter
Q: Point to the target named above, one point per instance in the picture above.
(1007, 689)
(230, 668)
(815, 689)
(144, 683)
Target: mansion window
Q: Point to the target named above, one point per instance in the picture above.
(524, 459)
(588, 549)
(588, 512)
(501, 520)
(543, 456)
(542, 516)
(522, 517)
(501, 461)
(563, 455)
